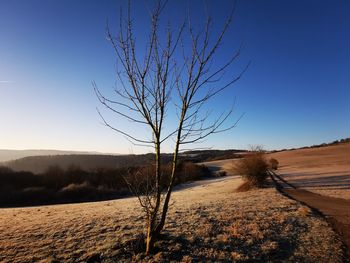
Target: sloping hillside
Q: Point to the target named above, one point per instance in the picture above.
(9, 155)
(38, 164)
(324, 170)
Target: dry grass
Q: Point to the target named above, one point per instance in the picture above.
(208, 221)
(245, 186)
(324, 170)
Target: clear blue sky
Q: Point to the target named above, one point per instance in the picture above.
(296, 91)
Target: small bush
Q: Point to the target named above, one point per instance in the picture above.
(253, 167)
(273, 164)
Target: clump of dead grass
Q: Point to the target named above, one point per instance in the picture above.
(304, 211)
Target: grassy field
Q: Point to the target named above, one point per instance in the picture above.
(207, 221)
(324, 170)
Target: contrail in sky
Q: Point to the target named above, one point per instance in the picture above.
(6, 81)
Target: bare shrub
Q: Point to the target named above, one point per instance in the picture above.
(253, 167)
(273, 164)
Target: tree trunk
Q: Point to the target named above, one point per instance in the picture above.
(161, 223)
(152, 233)
(150, 239)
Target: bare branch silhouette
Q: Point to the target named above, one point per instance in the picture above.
(170, 70)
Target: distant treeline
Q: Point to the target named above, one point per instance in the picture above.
(57, 185)
(211, 155)
(336, 142)
(39, 164)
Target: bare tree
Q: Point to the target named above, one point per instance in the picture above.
(172, 73)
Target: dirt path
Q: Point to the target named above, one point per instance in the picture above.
(336, 210)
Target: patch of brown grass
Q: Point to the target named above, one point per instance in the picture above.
(324, 170)
(304, 211)
(245, 186)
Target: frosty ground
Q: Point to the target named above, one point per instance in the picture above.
(208, 221)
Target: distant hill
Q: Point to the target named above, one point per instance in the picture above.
(37, 161)
(38, 164)
(9, 155)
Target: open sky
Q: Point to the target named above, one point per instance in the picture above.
(296, 91)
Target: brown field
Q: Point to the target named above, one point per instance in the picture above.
(324, 170)
(208, 221)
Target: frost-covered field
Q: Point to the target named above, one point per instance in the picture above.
(207, 221)
(324, 170)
